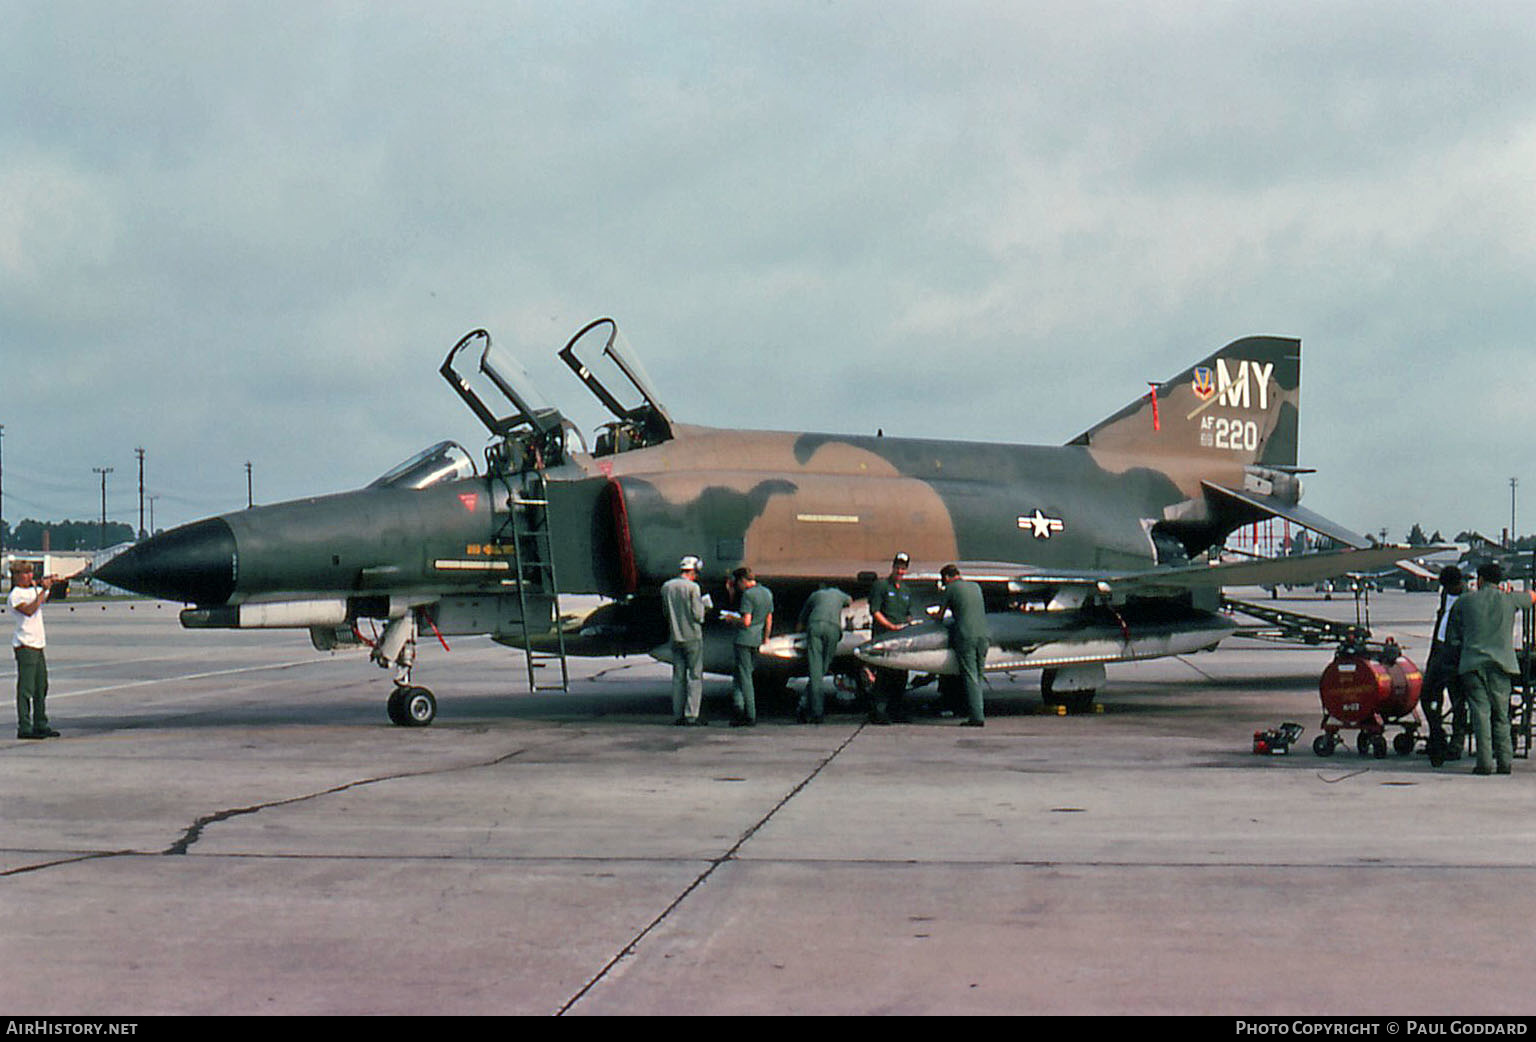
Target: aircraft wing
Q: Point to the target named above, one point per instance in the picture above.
(1417, 570)
(1297, 570)
(1302, 568)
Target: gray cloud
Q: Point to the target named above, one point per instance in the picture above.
(245, 231)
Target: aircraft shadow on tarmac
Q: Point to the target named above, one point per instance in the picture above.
(347, 708)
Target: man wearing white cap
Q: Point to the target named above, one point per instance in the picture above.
(684, 606)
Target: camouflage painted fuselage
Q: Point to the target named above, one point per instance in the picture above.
(805, 507)
(1160, 481)
(1132, 492)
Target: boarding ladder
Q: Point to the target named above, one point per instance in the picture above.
(538, 588)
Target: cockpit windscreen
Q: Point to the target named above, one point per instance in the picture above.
(445, 461)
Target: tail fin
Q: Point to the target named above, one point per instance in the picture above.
(1239, 405)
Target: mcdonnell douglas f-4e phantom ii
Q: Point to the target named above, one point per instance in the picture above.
(1092, 552)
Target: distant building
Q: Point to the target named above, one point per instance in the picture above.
(69, 563)
(66, 563)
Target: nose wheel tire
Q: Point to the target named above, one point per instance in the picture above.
(412, 707)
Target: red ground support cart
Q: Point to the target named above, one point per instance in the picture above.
(1369, 687)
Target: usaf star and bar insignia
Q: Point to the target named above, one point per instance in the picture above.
(1041, 525)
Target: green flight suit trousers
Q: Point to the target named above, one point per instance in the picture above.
(687, 678)
(820, 645)
(972, 654)
(1487, 690)
(31, 691)
(743, 695)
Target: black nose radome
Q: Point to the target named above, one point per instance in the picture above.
(194, 564)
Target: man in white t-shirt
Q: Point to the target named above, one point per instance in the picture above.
(26, 601)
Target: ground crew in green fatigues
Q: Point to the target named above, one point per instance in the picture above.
(890, 608)
(822, 622)
(1483, 621)
(684, 606)
(754, 609)
(968, 636)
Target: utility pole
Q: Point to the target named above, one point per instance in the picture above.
(1514, 483)
(250, 499)
(140, 453)
(101, 540)
(2, 486)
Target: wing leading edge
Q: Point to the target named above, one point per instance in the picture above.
(1303, 568)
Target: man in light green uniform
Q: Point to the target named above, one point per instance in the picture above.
(754, 621)
(684, 606)
(822, 621)
(1483, 622)
(968, 636)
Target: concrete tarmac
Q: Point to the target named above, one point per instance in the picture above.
(230, 825)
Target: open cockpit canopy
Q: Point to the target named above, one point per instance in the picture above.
(531, 433)
(602, 360)
(506, 375)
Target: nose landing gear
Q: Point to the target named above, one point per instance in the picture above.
(412, 706)
(408, 706)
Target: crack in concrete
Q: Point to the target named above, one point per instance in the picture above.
(1394, 864)
(195, 831)
(93, 856)
(730, 855)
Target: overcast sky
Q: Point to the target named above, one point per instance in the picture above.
(251, 231)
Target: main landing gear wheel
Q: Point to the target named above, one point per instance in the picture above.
(1323, 744)
(412, 706)
(854, 688)
(1073, 702)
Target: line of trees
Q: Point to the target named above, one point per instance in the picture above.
(65, 535)
(1416, 537)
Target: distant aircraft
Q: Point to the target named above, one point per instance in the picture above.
(1089, 553)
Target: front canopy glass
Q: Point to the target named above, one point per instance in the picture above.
(445, 461)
